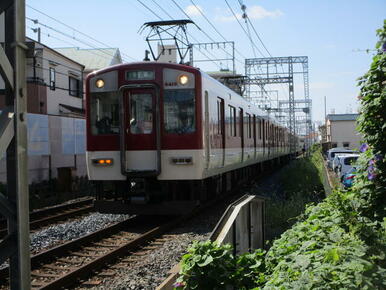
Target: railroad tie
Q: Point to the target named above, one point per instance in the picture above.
(85, 255)
(91, 283)
(150, 248)
(104, 245)
(55, 267)
(37, 284)
(107, 273)
(43, 275)
(68, 261)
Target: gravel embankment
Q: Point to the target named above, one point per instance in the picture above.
(60, 233)
(152, 269)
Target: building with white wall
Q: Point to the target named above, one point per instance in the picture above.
(92, 59)
(55, 119)
(341, 131)
(167, 53)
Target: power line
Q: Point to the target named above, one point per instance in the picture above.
(72, 37)
(214, 27)
(246, 33)
(253, 27)
(70, 43)
(199, 28)
(148, 8)
(74, 29)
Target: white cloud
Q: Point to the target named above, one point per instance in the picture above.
(192, 10)
(258, 12)
(253, 12)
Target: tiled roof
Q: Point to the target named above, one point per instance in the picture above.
(92, 59)
(342, 117)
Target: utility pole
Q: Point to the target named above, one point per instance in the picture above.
(325, 109)
(13, 138)
(38, 31)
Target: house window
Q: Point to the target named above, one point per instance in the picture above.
(74, 87)
(334, 145)
(346, 144)
(52, 78)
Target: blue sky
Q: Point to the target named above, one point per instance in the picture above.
(334, 34)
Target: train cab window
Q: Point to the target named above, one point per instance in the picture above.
(141, 114)
(179, 111)
(104, 113)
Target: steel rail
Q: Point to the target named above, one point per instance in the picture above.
(44, 216)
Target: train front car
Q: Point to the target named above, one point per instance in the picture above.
(143, 130)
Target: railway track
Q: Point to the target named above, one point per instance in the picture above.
(74, 262)
(43, 217)
(68, 263)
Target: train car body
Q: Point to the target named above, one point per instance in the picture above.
(162, 132)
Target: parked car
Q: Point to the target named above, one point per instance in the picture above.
(331, 154)
(348, 178)
(336, 161)
(346, 163)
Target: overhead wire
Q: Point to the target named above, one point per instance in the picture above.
(159, 17)
(76, 30)
(215, 29)
(259, 38)
(246, 33)
(199, 28)
(76, 39)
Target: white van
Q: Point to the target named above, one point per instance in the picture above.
(331, 154)
(336, 161)
(346, 163)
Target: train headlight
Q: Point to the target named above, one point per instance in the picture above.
(103, 162)
(99, 83)
(183, 80)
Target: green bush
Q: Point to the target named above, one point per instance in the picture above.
(211, 266)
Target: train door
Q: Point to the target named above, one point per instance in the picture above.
(221, 129)
(241, 127)
(264, 137)
(254, 121)
(141, 131)
(207, 131)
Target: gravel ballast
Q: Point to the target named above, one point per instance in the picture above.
(60, 233)
(149, 271)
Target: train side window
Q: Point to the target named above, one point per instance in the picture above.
(254, 127)
(232, 121)
(248, 124)
(240, 121)
(263, 129)
(141, 114)
(219, 116)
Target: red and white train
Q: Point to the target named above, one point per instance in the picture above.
(161, 137)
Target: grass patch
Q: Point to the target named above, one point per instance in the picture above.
(301, 182)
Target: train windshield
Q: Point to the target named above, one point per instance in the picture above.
(179, 111)
(104, 113)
